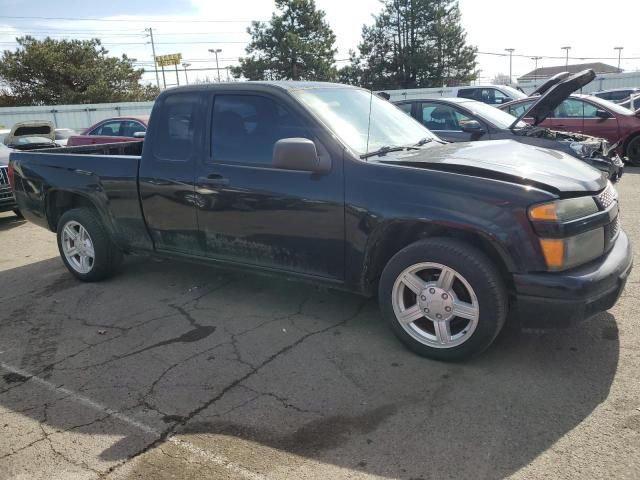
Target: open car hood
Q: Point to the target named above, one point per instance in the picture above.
(553, 97)
(557, 78)
(33, 128)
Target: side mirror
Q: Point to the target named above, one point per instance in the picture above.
(298, 154)
(472, 126)
(139, 134)
(603, 114)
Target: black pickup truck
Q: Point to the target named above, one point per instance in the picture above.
(332, 184)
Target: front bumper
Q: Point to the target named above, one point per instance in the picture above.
(613, 166)
(551, 300)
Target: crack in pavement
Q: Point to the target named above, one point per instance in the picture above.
(166, 434)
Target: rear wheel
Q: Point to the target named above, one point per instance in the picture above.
(633, 151)
(85, 247)
(443, 298)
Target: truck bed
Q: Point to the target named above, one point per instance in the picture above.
(105, 175)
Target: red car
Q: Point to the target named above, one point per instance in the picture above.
(588, 115)
(112, 130)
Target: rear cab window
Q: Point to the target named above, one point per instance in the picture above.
(174, 126)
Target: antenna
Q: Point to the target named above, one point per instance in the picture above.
(369, 124)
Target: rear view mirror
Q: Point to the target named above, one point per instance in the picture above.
(139, 135)
(472, 126)
(603, 114)
(298, 154)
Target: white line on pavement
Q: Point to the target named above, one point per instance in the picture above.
(88, 402)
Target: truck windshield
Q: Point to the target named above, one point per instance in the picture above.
(346, 112)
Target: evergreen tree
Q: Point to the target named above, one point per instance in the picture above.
(412, 44)
(297, 44)
(55, 72)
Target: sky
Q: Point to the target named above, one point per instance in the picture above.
(192, 27)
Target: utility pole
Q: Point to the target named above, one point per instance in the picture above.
(186, 78)
(566, 49)
(153, 50)
(177, 77)
(619, 49)
(535, 75)
(216, 51)
(510, 50)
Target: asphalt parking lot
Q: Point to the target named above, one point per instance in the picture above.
(170, 370)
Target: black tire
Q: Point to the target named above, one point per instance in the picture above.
(107, 256)
(633, 151)
(18, 213)
(480, 273)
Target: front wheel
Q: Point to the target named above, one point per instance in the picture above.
(85, 246)
(443, 298)
(633, 151)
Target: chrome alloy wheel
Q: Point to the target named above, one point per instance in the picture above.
(78, 247)
(435, 305)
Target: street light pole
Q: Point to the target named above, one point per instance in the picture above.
(619, 49)
(153, 50)
(216, 51)
(186, 78)
(535, 72)
(510, 50)
(566, 49)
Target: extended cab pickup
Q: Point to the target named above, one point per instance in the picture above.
(335, 185)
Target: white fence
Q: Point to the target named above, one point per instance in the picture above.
(77, 117)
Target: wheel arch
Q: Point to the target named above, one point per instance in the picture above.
(628, 140)
(402, 234)
(60, 201)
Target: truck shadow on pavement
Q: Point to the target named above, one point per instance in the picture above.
(10, 221)
(260, 369)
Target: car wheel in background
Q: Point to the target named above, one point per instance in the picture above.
(443, 298)
(633, 151)
(85, 246)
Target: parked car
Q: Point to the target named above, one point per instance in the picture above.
(491, 94)
(588, 115)
(7, 200)
(617, 95)
(62, 135)
(31, 135)
(461, 120)
(332, 184)
(112, 130)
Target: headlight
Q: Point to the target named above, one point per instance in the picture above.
(564, 210)
(585, 149)
(567, 252)
(564, 253)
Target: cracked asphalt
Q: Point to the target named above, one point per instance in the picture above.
(177, 371)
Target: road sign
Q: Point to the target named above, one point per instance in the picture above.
(171, 59)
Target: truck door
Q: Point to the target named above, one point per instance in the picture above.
(250, 213)
(167, 171)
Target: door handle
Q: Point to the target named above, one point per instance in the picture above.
(213, 179)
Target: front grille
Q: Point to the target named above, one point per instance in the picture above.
(605, 198)
(611, 231)
(4, 176)
(6, 195)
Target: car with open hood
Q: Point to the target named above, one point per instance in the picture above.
(463, 120)
(31, 135)
(560, 109)
(334, 185)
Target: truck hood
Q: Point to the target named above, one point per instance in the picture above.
(554, 96)
(35, 128)
(506, 160)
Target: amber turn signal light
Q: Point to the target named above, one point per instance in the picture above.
(553, 250)
(546, 211)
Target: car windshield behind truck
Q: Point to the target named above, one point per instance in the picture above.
(346, 112)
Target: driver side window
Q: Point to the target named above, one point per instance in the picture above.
(440, 117)
(108, 129)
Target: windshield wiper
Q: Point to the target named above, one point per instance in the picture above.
(392, 148)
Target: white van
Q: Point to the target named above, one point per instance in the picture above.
(491, 94)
